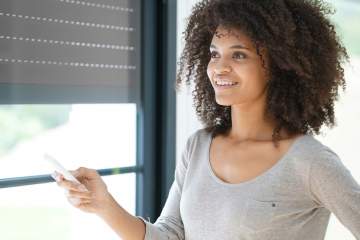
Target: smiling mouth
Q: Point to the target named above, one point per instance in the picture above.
(225, 84)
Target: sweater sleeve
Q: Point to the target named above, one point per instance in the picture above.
(169, 225)
(332, 186)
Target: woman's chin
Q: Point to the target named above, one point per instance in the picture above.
(224, 102)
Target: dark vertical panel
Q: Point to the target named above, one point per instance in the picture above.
(146, 182)
(157, 127)
(168, 101)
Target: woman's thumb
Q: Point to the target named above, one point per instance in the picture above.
(75, 173)
(83, 172)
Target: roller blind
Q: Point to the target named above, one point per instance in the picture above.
(69, 51)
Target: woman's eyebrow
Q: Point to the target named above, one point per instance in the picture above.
(234, 46)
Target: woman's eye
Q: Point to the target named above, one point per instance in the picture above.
(239, 55)
(236, 55)
(213, 54)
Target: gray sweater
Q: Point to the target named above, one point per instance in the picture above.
(292, 200)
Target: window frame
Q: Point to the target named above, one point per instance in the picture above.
(156, 113)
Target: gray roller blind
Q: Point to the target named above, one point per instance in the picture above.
(69, 51)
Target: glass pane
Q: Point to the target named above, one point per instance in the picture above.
(91, 135)
(41, 212)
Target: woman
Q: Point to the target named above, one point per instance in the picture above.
(266, 77)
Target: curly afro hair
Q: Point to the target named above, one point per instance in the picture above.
(305, 57)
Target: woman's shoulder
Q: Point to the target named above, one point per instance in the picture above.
(200, 134)
(316, 152)
(315, 146)
(197, 139)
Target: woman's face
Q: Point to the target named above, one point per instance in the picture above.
(234, 61)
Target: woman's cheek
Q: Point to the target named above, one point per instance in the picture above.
(209, 71)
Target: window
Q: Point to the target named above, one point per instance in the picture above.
(93, 135)
(41, 211)
(87, 82)
(73, 70)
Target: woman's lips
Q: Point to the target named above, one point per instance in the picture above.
(222, 87)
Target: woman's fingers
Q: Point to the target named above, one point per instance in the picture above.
(78, 201)
(77, 194)
(69, 185)
(85, 173)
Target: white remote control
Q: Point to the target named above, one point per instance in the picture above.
(56, 166)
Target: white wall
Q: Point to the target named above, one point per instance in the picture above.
(186, 119)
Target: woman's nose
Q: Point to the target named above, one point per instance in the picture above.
(222, 67)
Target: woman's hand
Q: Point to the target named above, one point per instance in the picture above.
(92, 196)
(89, 196)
